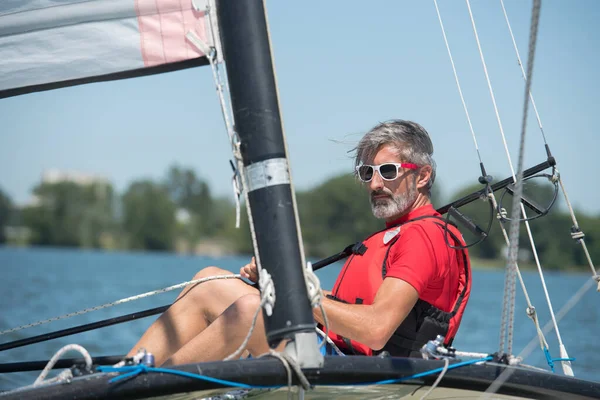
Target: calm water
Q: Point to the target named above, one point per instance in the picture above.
(38, 284)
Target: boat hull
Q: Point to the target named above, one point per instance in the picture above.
(341, 377)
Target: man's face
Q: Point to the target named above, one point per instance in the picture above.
(392, 199)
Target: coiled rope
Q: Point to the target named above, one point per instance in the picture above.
(65, 376)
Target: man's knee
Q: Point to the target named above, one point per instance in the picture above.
(246, 306)
(202, 292)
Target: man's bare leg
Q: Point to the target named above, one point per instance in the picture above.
(226, 334)
(194, 310)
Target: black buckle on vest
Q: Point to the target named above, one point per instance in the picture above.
(359, 248)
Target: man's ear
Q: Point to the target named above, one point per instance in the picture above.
(423, 177)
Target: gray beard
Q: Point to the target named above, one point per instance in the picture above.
(395, 205)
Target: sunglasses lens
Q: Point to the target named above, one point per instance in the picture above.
(388, 171)
(365, 173)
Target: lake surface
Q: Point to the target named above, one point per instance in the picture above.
(37, 284)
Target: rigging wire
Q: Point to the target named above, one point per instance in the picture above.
(239, 177)
(506, 323)
(537, 115)
(575, 228)
(528, 95)
(578, 236)
(528, 228)
(462, 98)
(493, 203)
(513, 249)
(564, 310)
(222, 90)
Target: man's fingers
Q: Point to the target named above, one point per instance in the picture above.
(250, 272)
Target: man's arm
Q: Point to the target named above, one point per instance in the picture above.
(373, 324)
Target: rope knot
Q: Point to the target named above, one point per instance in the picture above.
(313, 286)
(267, 290)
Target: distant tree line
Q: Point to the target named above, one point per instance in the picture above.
(179, 213)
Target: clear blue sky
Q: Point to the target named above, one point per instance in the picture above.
(342, 66)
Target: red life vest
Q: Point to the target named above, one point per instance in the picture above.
(363, 274)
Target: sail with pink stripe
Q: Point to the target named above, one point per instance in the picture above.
(46, 44)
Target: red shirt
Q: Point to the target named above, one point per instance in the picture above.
(422, 258)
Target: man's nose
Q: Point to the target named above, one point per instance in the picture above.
(376, 183)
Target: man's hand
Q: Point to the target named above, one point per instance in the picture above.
(250, 271)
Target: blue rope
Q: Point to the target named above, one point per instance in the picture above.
(427, 373)
(135, 370)
(132, 371)
(551, 360)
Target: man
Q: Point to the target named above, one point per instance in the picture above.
(405, 284)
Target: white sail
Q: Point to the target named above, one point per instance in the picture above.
(46, 44)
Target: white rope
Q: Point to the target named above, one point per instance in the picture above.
(56, 357)
(121, 301)
(315, 294)
(242, 346)
(237, 192)
(313, 286)
(267, 291)
(330, 342)
(267, 296)
(64, 376)
(438, 380)
(290, 364)
(267, 301)
(288, 370)
(512, 360)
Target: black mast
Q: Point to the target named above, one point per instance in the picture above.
(247, 55)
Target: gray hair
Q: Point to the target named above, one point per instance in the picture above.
(410, 140)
